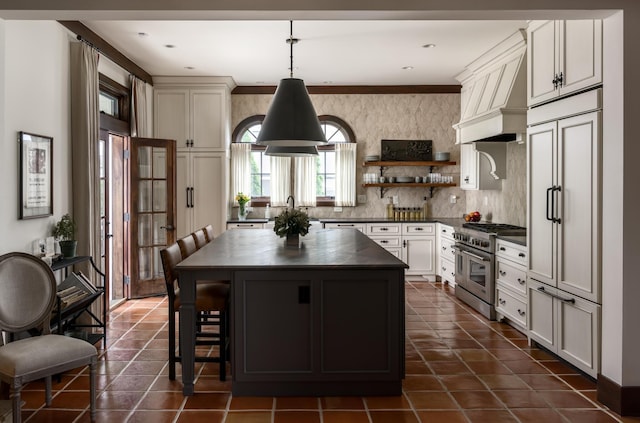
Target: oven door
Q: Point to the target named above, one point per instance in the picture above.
(474, 269)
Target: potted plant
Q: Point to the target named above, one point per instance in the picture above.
(65, 232)
(292, 224)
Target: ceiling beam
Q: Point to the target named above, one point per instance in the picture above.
(356, 89)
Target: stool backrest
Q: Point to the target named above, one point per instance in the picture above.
(170, 257)
(200, 238)
(208, 232)
(187, 246)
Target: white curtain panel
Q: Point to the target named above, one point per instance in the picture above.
(345, 174)
(280, 180)
(305, 181)
(139, 104)
(240, 170)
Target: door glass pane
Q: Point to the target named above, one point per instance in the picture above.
(144, 162)
(159, 163)
(144, 263)
(158, 272)
(145, 197)
(159, 234)
(144, 229)
(159, 196)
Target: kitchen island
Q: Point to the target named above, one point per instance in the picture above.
(323, 319)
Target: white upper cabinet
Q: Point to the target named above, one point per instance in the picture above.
(478, 169)
(563, 57)
(195, 117)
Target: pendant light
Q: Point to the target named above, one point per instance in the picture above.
(295, 151)
(291, 120)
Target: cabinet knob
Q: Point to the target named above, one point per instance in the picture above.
(501, 301)
(502, 273)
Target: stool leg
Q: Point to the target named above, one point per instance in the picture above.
(223, 346)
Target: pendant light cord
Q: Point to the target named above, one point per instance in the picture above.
(291, 48)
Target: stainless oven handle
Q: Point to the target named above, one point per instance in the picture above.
(475, 256)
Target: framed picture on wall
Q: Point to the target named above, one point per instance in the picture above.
(36, 175)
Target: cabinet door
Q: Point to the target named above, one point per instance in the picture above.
(276, 333)
(209, 190)
(540, 178)
(171, 115)
(542, 57)
(468, 164)
(419, 254)
(208, 119)
(542, 314)
(578, 333)
(581, 54)
(183, 195)
(578, 233)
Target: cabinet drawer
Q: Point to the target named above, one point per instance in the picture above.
(383, 228)
(446, 232)
(447, 250)
(447, 271)
(387, 241)
(346, 225)
(515, 252)
(512, 276)
(419, 228)
(511, 306)
(246, 225)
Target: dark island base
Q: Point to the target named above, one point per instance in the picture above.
(317, 389)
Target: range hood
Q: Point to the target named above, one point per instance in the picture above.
(494, 94)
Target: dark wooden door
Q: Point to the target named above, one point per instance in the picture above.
(153, 211)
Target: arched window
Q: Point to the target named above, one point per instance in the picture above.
(336, 131)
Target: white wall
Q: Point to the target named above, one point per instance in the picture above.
(35, 98)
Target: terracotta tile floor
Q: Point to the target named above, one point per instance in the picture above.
(460, 368)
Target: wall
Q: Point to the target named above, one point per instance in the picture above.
(407, 116)
(35, 99)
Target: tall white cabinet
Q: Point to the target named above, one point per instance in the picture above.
(564, 230)
(562, 57)
(196, 113)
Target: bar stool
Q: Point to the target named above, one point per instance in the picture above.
(208, 232)
(187, 246)
(200, 237)
(210, 296)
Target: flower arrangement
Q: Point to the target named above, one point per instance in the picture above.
(291, 222)
(242, 200)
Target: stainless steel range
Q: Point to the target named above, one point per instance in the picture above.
(475, 263)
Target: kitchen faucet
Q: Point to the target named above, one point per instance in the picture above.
(293, 202)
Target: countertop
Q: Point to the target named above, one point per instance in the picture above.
(455, 222)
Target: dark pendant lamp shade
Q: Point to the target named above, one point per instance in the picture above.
(291, 120)
(297, 151)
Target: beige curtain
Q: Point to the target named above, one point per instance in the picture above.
(85, 127)
(139, 104)
(240, 170)
(280, 180)
(345, 174)
(305, 180)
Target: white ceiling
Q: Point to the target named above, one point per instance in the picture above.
(329, 52)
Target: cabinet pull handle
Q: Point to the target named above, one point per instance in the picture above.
(345, 224)
(404, 244)
(444, 248)
(384, 241)
(501, 301)
(187, 197)
(419, 229)
(502, 272)
(555, 81)
(521, 281)
(521, 313)
(549, 190)
(556, 188)
(521, 255)
(566, 300)
(384, 229)
(466, 179)
(560, 80)
(503, 249)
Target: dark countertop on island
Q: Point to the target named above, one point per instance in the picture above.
(451, 221)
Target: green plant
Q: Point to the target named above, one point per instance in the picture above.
(291, 222)
(65, 229)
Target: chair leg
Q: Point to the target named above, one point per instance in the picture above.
(47, 391)
(16, 387)
(223, 348)
(92, 388)
(172, 344)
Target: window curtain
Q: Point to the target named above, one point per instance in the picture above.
(345, 174)
(305, 180)
(240, 170)
(85, 133)
(139, 104)
(280, 180)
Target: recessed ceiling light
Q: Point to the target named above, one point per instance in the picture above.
(407, 67)
(170, 46)
(428, 46)
(142, 34)
(189, 67)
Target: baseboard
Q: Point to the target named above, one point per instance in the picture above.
(624, 400)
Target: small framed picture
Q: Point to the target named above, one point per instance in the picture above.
(36, 175)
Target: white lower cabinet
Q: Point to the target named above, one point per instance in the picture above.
(446, 254)
(387, 235)
(511, 279)
(419, 249)
(566, 325)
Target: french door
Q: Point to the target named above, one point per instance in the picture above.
(153, 211)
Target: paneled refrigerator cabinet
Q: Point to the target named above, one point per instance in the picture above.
(564, 229)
